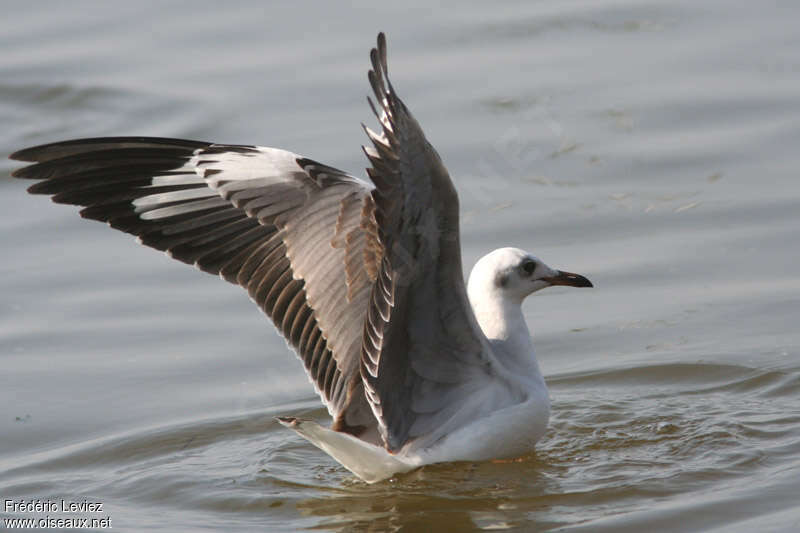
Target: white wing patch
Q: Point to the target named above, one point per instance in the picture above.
(220, 168)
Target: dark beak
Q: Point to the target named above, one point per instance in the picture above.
(568, 278)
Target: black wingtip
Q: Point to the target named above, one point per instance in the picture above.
(287, 421)
(22, 155)
(61, 149)
(382, 52)
(39, 153)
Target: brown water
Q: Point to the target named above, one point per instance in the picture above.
(652, 146)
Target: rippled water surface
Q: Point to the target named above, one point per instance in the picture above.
(652, 146)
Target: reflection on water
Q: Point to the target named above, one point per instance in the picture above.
(454, 497)
(619, 440)
(604, 451)
(649, 145)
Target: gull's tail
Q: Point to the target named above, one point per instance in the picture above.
(367, 461)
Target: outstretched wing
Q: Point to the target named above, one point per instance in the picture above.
(424, 352)
(298, 235)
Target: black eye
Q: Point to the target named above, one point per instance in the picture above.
(529, 266)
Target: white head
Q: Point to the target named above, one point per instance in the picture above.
(513, 274)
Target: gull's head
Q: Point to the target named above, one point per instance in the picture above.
(514, 274)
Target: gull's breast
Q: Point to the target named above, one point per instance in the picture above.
(506, 433)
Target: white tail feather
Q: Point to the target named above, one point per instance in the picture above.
(367, 461)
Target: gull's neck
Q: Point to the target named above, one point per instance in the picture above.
(503, 323)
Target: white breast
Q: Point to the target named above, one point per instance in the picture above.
(506, 433)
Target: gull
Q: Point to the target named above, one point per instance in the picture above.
(362, 278)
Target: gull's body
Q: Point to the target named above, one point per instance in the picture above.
(364, 280)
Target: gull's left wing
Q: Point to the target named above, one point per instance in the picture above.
(424, 354)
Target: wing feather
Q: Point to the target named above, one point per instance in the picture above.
(422, 349)
(266, 219)
(365, 283)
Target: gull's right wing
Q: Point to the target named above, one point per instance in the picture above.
(296, 234)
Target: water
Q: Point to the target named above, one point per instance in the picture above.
(649, 145)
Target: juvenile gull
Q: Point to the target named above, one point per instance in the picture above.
(364, 280)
